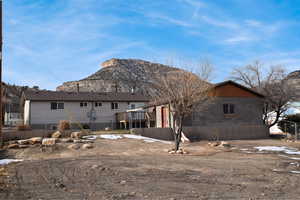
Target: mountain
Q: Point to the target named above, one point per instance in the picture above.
(294, 81)
(120, 75)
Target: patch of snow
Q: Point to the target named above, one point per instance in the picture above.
(293, 158)
(146, 139)
(294, 163)
(295, 172)
(120, 136)
(111, 137)
(275, 129)
(7, 161)
(90, 137)
(286, 150)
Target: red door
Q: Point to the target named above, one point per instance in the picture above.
(164, 117)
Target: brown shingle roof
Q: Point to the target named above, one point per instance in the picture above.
(83, 96)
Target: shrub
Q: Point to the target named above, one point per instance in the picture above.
(63, 125)
(288, 123)
(86, 126)
(23, 127)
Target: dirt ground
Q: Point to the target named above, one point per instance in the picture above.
(135, 169)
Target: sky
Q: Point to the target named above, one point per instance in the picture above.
(48, 42)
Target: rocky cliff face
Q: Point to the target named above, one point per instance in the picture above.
(121, 75)
(294, 81)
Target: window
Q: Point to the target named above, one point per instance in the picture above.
(53, 105)
(83, 104)
(60, 105)
(132, 106)
(114, 106)
(57, 105)
(98, 104)
(228, 108)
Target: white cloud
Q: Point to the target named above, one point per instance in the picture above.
(238, 39)
(169, 19)
(219, 23)
(253, 23)
(194, 3)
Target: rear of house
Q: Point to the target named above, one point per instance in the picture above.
(44, 109)
(235, 113)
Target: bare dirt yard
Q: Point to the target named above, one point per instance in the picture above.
(137, 169)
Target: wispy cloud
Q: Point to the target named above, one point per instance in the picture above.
(238, 39)
(219, 23)
(169, 19)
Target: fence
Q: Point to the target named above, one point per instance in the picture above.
(291, 128)
(133, 119)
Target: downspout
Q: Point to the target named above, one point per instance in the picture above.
(29, 120)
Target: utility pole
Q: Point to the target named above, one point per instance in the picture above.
(1, 58)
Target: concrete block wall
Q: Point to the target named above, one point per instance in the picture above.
(195, 133)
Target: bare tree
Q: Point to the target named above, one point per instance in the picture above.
(270, 82)
(185, 92)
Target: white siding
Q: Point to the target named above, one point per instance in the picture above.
(41, 112)
(27, 112)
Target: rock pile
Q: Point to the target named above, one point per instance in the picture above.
(55, 138)
(219, 144)
(179, 151)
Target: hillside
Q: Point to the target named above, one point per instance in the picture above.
(294, 81)
(121, 75)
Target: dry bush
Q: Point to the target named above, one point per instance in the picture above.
(64, 125)
(23, 127)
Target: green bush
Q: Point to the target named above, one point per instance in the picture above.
(286, 124)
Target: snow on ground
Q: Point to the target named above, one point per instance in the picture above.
(7, 161)
(275, 129)
(146, 139)
(295, 172)
(120, 136)
(111, 137)
(286, 150)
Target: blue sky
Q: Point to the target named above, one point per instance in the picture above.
(47, 42)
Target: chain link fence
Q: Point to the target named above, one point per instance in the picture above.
(291, 129)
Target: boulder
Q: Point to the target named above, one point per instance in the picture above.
(77, 134)
(12, 142)
(13, 146)
(87, 146)
(224, 144)
(74, 146)
(214, 144)
(23, 142)
(82, 141)
(35, 140)
(65, 140)
(56, 134)
(49, 141)
(107, 129)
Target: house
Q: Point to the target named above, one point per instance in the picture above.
(44, 109)
(235, 113)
